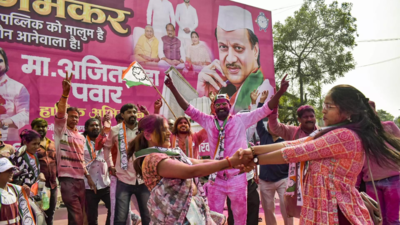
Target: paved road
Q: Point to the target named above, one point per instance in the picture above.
(61, 216)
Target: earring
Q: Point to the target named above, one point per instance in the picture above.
(349, 119)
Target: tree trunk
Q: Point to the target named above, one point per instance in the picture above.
(301, 84)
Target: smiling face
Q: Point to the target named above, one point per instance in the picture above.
(7, 175)
(222, 108)
(32, 146)
(183, 126)
(148, 32)
(195, 39)
(332, 114)
(238, 58)
(170, 31)
(307, 120)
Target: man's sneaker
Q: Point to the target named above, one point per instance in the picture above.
(135, 219)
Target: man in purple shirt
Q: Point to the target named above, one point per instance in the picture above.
(226, 134)
(172, 50)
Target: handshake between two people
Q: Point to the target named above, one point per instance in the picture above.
(243, 160)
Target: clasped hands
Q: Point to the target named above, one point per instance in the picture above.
(243, 160)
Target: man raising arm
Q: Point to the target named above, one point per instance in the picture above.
(69, 153)
(226, 134)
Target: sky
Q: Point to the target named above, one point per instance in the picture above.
(375, 20)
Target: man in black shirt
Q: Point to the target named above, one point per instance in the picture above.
(272, 178)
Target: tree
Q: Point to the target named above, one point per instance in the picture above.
(314, 47)
(397, 121)
(384, 116)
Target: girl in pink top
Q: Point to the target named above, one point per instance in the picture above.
(336, 156)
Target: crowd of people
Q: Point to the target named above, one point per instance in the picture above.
(157, 160)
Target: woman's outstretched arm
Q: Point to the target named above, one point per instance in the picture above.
(174, 169)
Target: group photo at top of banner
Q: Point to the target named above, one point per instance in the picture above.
(216, 47)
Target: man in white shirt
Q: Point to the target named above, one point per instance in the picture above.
(14, 103)
(128, 183)
(162, 13)
(186, 17)
(98, 170)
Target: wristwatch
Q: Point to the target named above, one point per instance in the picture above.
(255, 159)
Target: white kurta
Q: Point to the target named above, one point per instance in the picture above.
(17, 106)
(162, 13)
(186, 17)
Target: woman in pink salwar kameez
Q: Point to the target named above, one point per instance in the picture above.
(335, 156)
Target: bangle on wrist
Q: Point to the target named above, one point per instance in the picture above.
(65, 96)
(229, 161)
(252, 150)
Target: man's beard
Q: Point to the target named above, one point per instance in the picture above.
(42, 134)
(183, 132)
(131, 121)
(223, 114)
(93, 134)
(186, 1)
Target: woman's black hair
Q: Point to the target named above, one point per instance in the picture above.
(366, 124)
(28, 136)
(194, 32)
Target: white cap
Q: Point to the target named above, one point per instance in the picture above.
(234, 17)
(222, 96)
(5, 165)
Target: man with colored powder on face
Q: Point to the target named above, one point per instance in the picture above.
(69, 153)
(187, 140)
(97, 167)
(47, 159)
(237, 72)
(226, 134)
(306, 117)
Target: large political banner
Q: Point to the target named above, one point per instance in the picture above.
(216, 46)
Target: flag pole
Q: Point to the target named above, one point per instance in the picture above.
(169, 107)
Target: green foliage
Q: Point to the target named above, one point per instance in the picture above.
(397, 121)
(384, 116)
(314, 47)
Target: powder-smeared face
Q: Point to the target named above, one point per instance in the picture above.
(222, 108)
(307, 120)
(73, 119)
(164, 135)
(41, 129)
(33, 146)
(183, 126)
